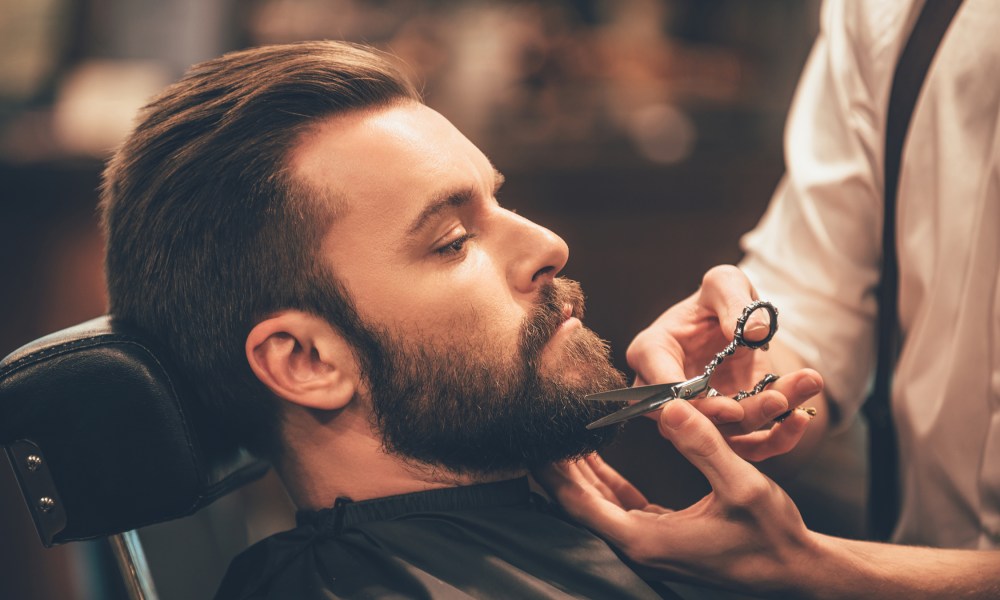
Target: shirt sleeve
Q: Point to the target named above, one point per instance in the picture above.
(816, 251)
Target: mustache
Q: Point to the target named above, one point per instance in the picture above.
(549, 313)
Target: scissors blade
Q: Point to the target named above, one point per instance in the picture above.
(630, 394)
(639, 408)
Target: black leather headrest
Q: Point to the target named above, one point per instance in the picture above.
(104, 436)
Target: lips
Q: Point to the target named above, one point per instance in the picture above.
(558, 308)
(557, 303)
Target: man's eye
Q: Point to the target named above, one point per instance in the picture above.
(456, 246)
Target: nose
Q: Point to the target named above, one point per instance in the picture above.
(537, 255)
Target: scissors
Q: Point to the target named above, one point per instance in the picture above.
(648, 398)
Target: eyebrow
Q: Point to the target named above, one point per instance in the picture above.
(455, 199)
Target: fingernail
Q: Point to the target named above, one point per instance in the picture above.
(757, 327)
(774, 406)
(676, 413)
(807, 386)
(809, 410)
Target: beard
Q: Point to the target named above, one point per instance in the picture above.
(478, 408)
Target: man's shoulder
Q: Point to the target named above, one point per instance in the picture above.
(435, 554)
(249, 573)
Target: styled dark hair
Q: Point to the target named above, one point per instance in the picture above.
(208, 233)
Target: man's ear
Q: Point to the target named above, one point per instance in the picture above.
(302, 359)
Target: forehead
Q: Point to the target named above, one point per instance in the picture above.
(378, 154)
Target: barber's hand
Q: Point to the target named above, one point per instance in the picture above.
(679, 344)
(745, 535)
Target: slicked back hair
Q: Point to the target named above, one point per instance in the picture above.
(208, 233)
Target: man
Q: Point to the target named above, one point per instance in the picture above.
(325, 256)
(816, 253)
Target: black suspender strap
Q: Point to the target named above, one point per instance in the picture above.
(883, 490)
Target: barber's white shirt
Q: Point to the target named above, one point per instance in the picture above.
(816, 252)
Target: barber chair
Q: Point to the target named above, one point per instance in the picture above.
(103, 438)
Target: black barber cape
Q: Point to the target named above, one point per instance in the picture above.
(495, 540)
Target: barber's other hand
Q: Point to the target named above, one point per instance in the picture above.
(679, 344)
(745, 535)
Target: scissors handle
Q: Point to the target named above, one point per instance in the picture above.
(763, 383)
(741, 323)
(740, 340)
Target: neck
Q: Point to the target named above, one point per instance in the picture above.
(326, 459)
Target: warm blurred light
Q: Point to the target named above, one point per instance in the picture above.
(97, 103)
(662, 133)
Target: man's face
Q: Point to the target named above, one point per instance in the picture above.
(480, 359)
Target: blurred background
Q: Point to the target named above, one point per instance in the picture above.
(646, 132)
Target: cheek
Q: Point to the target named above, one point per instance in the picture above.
(463, 313)
(469, 306)
(477, 315)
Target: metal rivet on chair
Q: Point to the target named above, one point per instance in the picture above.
(33, 462)
(45, 504)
